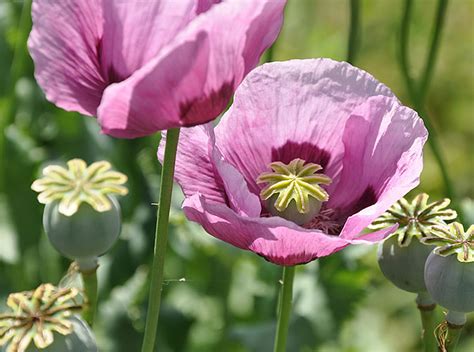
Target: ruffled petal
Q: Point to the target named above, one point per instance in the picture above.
(293, 109)
(194, 170)
(170, 91)
(383, 146)
(64, 46)
(200, 169)
(277, 240)
(135, 32)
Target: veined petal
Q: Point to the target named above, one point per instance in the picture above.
(382, 161)
(135, 31)
(276, 239)
(293, 109)
(194, 170)
(171, 90)
(64, 46)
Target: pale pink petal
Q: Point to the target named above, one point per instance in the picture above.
(277, 240)
(240, 198)
(169, 91)
(130, 109)
(383, 144)
(200, 169)
(194, 170)
(135, 31)
(64, 46)
(293, 109)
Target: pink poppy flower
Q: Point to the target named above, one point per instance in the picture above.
(145, 66)
(313, 111)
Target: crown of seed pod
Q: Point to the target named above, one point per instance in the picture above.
(415, 219)
(402, 259)
(82, 217)
(43, 318)
(79, 183)
(451, 240)
(449, 270)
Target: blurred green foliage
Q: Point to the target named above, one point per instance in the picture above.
(218, 298)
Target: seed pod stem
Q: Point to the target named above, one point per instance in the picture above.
(449, 331)
(88, 269)
(426, 307)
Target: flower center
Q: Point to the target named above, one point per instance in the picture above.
(293, 191)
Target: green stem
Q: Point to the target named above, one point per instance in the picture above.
(404, 40)
(18, 60)
(89, 279)
(353, 42)
(433, 51)
(418, 93)
(161, 239)
(284, 309)
(426, 307)
(452, 337)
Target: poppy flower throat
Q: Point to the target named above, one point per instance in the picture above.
(293, 190)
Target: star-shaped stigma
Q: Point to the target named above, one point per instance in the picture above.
(36, 315)
(296, 181)
(415, 219)
(80, 183)
(452, 239)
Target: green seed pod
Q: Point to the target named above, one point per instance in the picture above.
(291, 212)
(81, 217)
(449, 270)
(404, 266)
(450, 282)
(80, 340)
(45, 319)
(293, 191)
(402, 257)
(85, 234)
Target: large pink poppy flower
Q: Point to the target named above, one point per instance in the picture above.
(145, 66)
(320, 111)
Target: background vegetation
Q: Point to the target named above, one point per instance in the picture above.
(217, 298)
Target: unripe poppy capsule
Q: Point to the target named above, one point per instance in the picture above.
(80, 340)
(450, 282)
(85, 234)
(81, 218)
(402, 257)
(404, 266)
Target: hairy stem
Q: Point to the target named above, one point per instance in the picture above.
(161, 239)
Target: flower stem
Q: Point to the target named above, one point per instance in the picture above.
(417, 92)
(353, 43)
(161, 239)
(426, 306)
(284, 309)
(89, 279)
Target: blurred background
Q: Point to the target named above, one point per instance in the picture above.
(218, 298)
